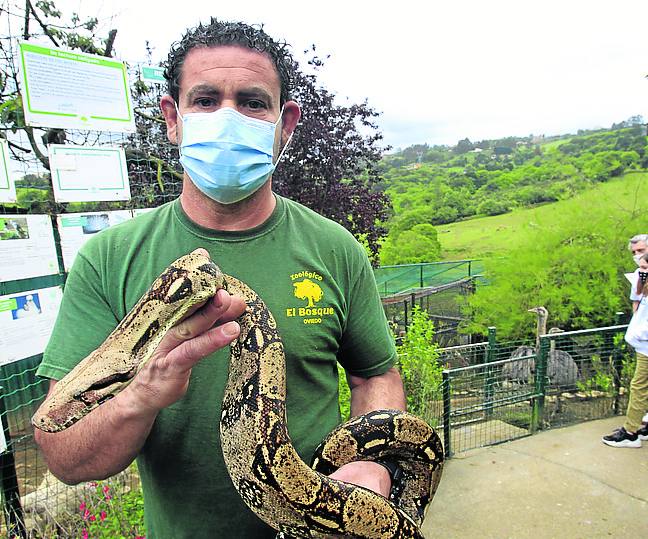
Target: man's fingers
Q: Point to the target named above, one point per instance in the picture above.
(187, 354)
(220, 309)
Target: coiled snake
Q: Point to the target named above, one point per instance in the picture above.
(290, 496)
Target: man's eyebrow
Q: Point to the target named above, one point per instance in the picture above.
(205, 89)
(255, 91)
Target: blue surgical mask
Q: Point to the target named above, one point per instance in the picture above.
(227, 155)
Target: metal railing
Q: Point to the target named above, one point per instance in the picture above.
(496, 392)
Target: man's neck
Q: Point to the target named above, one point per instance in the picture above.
(244, 215)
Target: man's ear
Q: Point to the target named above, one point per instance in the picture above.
(167, 104)
(289, 119)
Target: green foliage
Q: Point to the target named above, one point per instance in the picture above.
(344, 394)
(111, 512)
(419, 244)
(418, 362)
(571, 261)
(443, 185)
(601, 380)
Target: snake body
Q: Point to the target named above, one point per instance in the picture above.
(273, 481)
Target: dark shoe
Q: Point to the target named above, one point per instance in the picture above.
(622, 438)
(643, 433)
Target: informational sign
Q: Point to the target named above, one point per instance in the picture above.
(27, 247)
(153, 75)
(7, 185)
(76, 229)
(88, 173)
(26, 322)
(74, 90)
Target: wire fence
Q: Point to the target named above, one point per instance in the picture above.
(494, 392)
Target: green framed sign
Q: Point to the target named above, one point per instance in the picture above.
(74, 90)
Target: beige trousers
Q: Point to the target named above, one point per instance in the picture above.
(638, 403)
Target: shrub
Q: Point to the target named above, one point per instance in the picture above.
(418, 359)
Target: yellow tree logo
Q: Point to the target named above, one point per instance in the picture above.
(308, 290)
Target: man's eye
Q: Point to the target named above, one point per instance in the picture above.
(205, 102)
(255, 104)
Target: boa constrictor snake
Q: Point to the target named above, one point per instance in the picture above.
(290, 496)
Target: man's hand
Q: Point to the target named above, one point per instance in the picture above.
(365, 473)
(106, 441)
(165, 377)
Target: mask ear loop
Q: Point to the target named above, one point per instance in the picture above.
(283, 150)
(178, 110)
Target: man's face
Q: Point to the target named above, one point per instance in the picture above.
(639, 248)
(229, 76)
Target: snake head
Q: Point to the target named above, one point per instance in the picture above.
(189, 281)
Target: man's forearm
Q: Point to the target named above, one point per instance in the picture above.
(102, 444)
(383, 391)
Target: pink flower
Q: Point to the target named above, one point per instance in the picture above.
(106, 490)
(84, 534)
(86, 514)
(82, 506)
(102, 516)
(140, 537)
(93, 518)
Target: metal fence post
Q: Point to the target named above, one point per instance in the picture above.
(616, 358)
(542, 356)
(446, 412)
(489, 381)
(13, 513)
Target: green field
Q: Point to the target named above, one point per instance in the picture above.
(488, 237)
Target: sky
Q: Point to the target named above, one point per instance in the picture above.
(437, 72)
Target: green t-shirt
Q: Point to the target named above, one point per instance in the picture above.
(318, 283)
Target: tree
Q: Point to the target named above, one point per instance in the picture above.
(331, 165)
(416, 245)
(464, 146)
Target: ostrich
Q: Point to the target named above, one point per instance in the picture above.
(561, 367)
(520, 371)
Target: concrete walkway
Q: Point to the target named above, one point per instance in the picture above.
(562, 483)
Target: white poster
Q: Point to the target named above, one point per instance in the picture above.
(27, 247)
(77, 228)
(7, 185)
(88, 174)
(74, 90)
(26, 322)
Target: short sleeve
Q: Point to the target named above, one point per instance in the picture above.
(634, 278)
(367, 346)
(84, 321)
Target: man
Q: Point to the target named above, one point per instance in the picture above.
(638, 246)
(229, 93)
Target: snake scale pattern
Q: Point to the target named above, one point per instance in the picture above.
(296, 499)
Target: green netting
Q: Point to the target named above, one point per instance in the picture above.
(393, 280)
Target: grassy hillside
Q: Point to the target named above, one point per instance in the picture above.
(494, 236)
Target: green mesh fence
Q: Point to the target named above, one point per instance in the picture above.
(499, 391)
(396, 280)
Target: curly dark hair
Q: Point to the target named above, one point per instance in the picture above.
(229, 33)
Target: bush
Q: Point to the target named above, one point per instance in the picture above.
(111, 512)
(418, 360)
